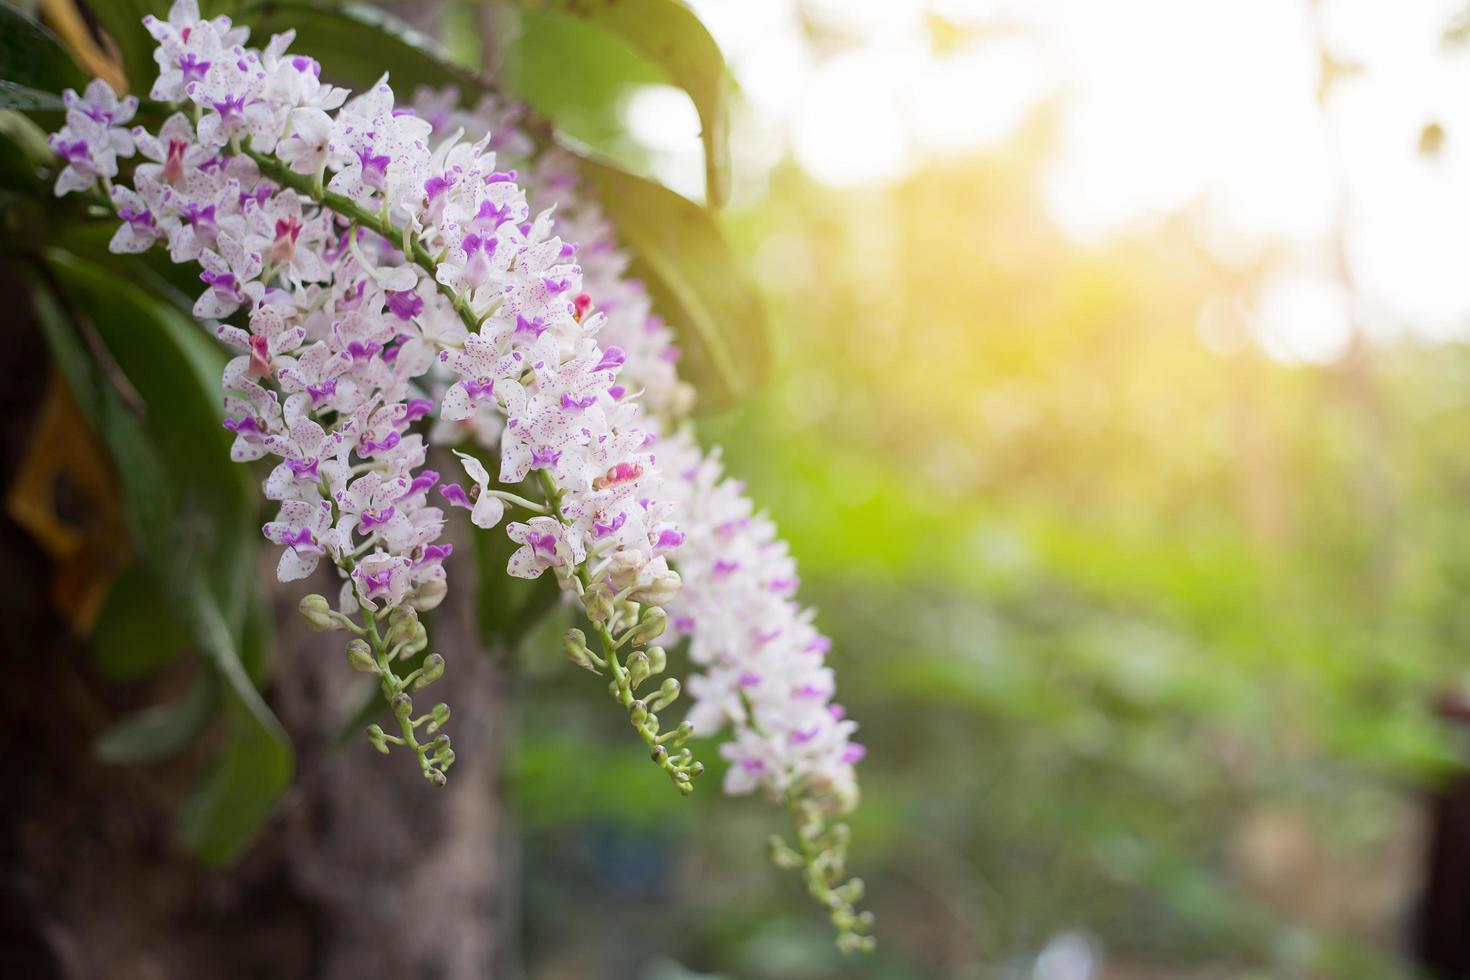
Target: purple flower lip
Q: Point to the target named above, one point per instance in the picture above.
(577, 404)
(500, 176)
(223, 281)
(320, 393)
(192, 68)
(818, 644)
(422, 483)
(544, 542)
(374, 168)
(377, 518)
(535, 326)
(435, 553)
(724, 567)
(389, 441)
(544, 458)
(306, 65)
(455, 495)
(854, 753)
(767, 637)
(405, 305)
(248, 427)
(140, 220)
(749, 679)
(417, 408)
(669, 540)
(359, 351)
(303, 468)
(555, 286)
(752, 765)
(303, 541)
(490, 217)
(231, 110)
(684, 624)
(612, 359)
(601, 530)
(477, 389)
(804, 735)
(375, 583)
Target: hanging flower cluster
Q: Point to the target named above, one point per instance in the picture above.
(764, 672)
(347, 256)
(387, 284)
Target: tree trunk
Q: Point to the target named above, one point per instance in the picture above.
(364, 870)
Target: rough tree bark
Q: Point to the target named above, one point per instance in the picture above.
(364, 871)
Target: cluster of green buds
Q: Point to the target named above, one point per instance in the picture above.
(821, 857)
(667, 749)
(385, 639)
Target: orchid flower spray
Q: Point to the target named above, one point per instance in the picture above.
(395, 275)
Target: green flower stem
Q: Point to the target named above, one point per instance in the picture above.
(681, 767)
(435, 755)
(378, 221)
(821, 857)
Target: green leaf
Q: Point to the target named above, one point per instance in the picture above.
(136, 633)
(151, 391)
(668, 34)
(157, 733)
(506, 608)
(357, 43)
(33, 61)
(123, 21)
(16, 96)
(254, 766)
(696, 283)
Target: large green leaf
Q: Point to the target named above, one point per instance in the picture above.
(123, 21)
(26, 99)
(149, 387)
(33, 60)
(357, 43)
(137, 632)
(506, 608)
(697, 283)
(158, 732)
(668, 34)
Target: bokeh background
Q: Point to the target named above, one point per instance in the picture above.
(1119, 426)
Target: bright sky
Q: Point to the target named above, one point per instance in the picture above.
(1166, 104)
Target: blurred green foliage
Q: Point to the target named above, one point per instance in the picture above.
(1143, 628)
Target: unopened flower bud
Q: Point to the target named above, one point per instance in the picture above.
(429, 595)
(624, 566)
(436, 777)
(574, 645)
(658, 659)
(782, 854)
(433, 669)
(661, 591)
(402, 706)
(638, 668)
(375, 735)
(360, 656)
(401, 623)
(638, 713)
(444, 759)
(651, 626)
(437, 717)
(318, 613)
(668, 693)
(599, 607)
